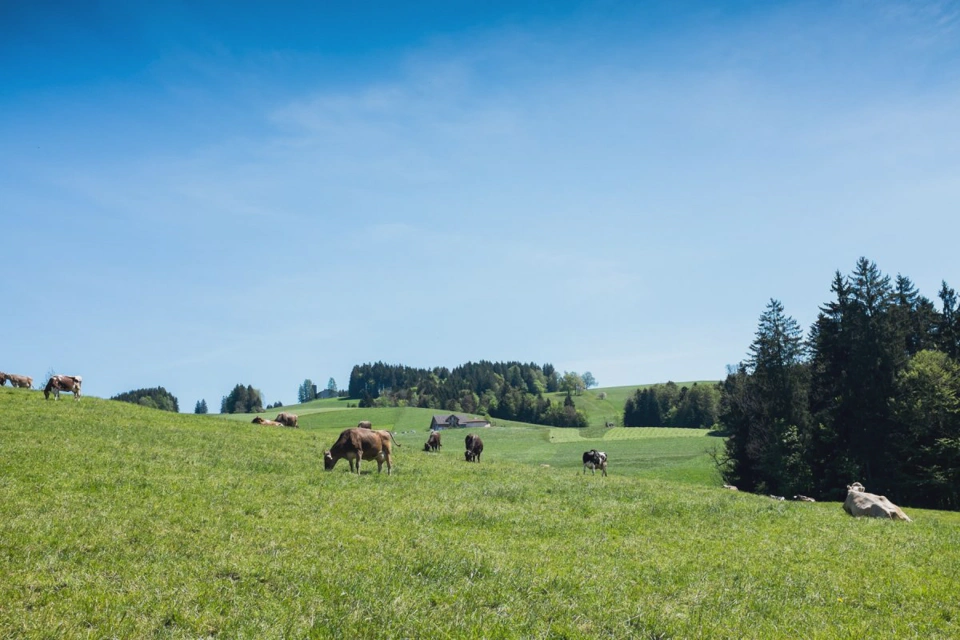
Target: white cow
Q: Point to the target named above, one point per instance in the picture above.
(861, 503)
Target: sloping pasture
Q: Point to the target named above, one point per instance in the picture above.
(121, 521)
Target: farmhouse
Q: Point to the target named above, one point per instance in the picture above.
(457, 421)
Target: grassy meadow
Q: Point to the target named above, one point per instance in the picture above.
(118, 521)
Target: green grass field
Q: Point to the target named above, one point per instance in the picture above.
(118, 521)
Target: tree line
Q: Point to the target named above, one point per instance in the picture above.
(242, 399)
(154, 398)
(667, 405)
(307, 391)
(872, 393)
(506, 390)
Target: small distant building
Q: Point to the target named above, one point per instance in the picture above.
(457, 421)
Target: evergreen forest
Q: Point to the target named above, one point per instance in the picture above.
(155, 398)
(870, 394)
(669, 405)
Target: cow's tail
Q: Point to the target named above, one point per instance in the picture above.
(393, 439)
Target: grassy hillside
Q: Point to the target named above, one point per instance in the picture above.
(599, 412)
(120, 521)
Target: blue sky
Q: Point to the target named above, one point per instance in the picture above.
(200, 194)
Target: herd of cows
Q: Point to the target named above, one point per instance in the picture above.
(55, 384)
(363, 442)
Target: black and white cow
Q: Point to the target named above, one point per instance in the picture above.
(593, 460)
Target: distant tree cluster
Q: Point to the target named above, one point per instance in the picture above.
(506, 390)
(201, 407)
(242, 400)
(871, 395)
(155, 398)
(667, 405)
(306, 392)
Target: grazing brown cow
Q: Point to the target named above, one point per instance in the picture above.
(24, 382)
(264, 421)
(357, 444)
(861, 503)
(364, 424)
(3, 378)
(474, 448)
(433, 442)
(386, 435)
(287, 419)
(56, 384)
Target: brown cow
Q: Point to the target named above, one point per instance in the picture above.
(24, 382)
(357, 444)
(433, 442)
(56, 384)
(474, 448)
(3, 378)
(264, 421)
(386, 435)
(287, 419)
(364, 424)
(861, 503)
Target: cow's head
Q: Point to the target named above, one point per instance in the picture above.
(426, 446)
(328, 461)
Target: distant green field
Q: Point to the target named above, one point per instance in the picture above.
(599, 412)
(610, 409)
(680, 454)
(118, 521)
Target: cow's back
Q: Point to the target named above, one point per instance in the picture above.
(368, 442)
(859, 503)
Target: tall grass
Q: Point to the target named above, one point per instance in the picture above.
(120, 521)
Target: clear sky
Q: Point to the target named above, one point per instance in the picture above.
(198, 194)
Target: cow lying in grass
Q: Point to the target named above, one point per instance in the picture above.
(594, 460)
(287, 419)
(861, 503)
(265, 422)
(358, 444)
